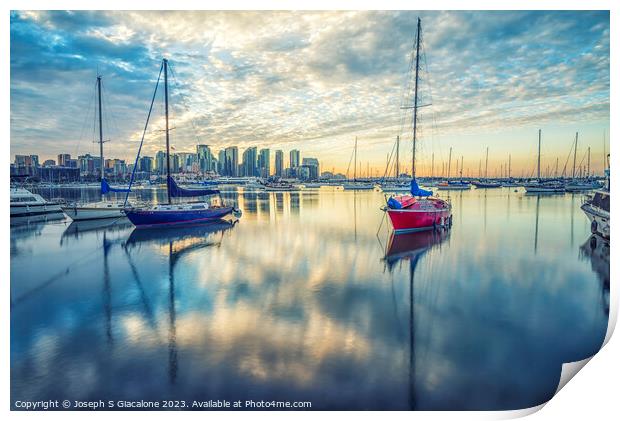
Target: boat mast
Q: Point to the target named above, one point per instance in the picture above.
(509, 166)
(415, 98)
(575, 153)
(100, 128)
(486, 166)
(432, 165)
(449, 163)
(167, 130)
(588, 172)
(355, 161)
(539, 135)
(461, 167)
(397, 155)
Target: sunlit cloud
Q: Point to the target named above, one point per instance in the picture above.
(307, 80)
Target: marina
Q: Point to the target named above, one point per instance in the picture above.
(198, 310)
(323, 210)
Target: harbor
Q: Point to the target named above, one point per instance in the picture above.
(297, 305)
(235, 221)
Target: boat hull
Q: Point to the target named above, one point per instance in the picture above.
(412, 220)
(89, 213)
(600, 217)
(34, 209)
(152, 218)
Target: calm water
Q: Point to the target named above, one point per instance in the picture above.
(298, 302)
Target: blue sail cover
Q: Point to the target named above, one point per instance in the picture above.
(106, 188)
(417, 191)
(176, 191)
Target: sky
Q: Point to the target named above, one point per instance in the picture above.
(315, 81)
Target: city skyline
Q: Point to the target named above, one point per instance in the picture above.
(313, 81)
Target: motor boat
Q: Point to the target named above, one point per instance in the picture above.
(26, 203)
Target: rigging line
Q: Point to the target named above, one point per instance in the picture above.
(135, 165)
(86, 118)
(184, 102)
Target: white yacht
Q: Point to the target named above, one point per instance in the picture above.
(98, 210)
(26, 203)
(596, 208)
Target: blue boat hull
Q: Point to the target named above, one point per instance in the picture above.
(152, 218)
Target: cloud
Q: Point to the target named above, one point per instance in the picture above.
(303, 79)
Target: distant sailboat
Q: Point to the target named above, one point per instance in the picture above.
(356, 185)
(181, 213)
(540, 186)
(103, 209)
(486, 183)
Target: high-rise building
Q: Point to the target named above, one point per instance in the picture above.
(160, 162)
(145, 164)
(231, 164)
(221, 161)
(34, 160)
(279, 163)
(249, 162)
(294, 158)
(313, 167)
(49, 163)
(62, 159)
(264, 168)
(203, 153)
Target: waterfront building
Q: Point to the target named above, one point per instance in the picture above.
(313, 167)
(49, 163)
(264, 168)
(63, 158)
(145, 164)
(203, 154)
(279, 163)
(249, 163)
(231, 163)
(294, 158)
(160, 162)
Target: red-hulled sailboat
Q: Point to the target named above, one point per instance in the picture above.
(418, 210)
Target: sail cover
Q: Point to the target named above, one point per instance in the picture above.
(176, 191)
(417, 191)
(106, 188)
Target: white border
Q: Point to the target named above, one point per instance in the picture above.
(592, 394)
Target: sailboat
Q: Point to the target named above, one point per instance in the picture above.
(539, 186)
(177, 213)
(103, 209)
(417, 210)
(356, 185)
(453, 185)
(583, 184)
(486, 184)
(396, 185)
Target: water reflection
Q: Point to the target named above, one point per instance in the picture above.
(596, 250)
(298, 301)
(410, 248)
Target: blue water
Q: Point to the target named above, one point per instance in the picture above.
(307, 298)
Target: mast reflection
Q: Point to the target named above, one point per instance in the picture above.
(412, 247)
(178, 242)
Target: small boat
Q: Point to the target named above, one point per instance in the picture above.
(26, 203)
(357, 186)
(453, 185)
(182, 213)
(418, 210)
(596, 207)
(103, 209)
(279, 186)
(584, 185)
(395, 187)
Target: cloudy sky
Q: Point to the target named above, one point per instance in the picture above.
(314, 81)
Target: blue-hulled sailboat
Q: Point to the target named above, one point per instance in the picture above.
(178, 213)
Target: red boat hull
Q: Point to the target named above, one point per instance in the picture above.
(419, 214)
